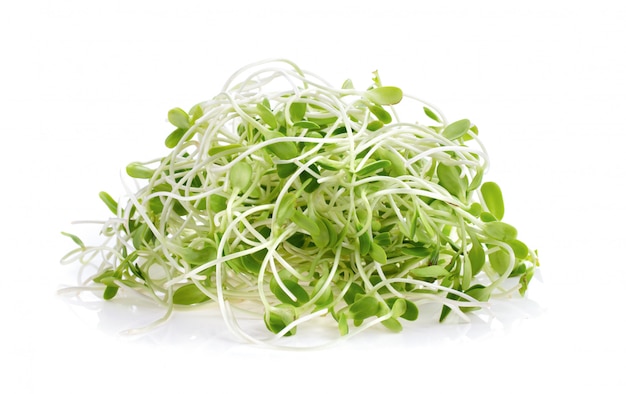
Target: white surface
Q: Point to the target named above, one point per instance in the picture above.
(85, 88)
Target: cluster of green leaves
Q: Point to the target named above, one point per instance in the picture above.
(316, 200)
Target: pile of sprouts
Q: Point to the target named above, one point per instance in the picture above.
(293, 200)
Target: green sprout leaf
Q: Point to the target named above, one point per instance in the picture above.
(109, 202)
(285, 150)
(195, 113)
(373, 168)
(297, 110)
(241, 175)
(384, 95)
(75, 238)
(450, 179)
(378, 253)
(431, 271)
(279, 318)
(174, 138)
(477, 257)
(431, 114)
(110, 292)
(500, 231)
(179, 118)
(354, 290)
(231, 148)
(381, 114)
(519, 248)
(189, 294)
(457, 129)
(407, 308)
(524, 281)
(306, 176)
(267, 115)
(417, 251)
(365, 243)
(300, 295)
(398, 307)
(305, 223)
(392, 324)
(364, 307)
(493, 199)
(375, 125)
(286, 208)
(199, 256)
(479, 293)
(217, 203)
(139, 171)
(477, 180)
(499, 261)
(306, 124)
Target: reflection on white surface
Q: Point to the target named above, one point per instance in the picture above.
(204, 326)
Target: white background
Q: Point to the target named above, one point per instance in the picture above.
(85, 87)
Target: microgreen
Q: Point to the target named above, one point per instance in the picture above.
(456, 129)
(309, 202)
(179, 118)
(384, 95)
(109, 202)
(139, 171)
(75, 238)
(493, 199)
(431, 114)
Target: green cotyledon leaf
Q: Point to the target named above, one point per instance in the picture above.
(189, 294)
(499, 261)
(300, 295)
(139, 171)
(364, 307)
(241, 175)
(278, 318)
(267, 115)
(286, 208)
(381, 114)
(179, 118)
(75, 238)
(477, 257)
(384, 95)
(373, 168)
(285, 150)
(431, 271)
(450, 179)
(297, 110)
(431, 114)
(174, 138)
(109, 202)
(492, 195)
(457, 129)
(500, 231)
